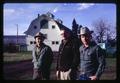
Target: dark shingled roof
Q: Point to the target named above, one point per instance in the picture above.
(62, 27)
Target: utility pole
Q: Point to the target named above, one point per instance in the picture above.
(17, 39)
(17, 33)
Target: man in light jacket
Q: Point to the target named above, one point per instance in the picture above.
(42, 58)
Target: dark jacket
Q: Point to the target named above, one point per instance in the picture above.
(42, 59)
(68, 55)
(92, 60)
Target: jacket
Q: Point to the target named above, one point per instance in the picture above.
(92, 60)
(42, 58)
(68, 56)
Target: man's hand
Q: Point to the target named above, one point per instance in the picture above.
(67, 74)
(93, 77)
(57, 73)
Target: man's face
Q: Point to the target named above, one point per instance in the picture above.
(38, 40)
(64, 34)
(85, 38)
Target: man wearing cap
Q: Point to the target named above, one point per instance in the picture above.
(42, 58)
(92, 58)
(68, 57)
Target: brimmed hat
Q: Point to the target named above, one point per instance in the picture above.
(39, 34)
(85, 30)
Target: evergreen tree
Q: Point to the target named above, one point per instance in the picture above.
(76, 30)
(74, 27)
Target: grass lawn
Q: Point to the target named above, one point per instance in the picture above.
(110, 70)
(20, 56)
(109, 73)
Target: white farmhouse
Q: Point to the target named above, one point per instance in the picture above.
(50, 27)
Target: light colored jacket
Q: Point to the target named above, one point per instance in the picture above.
(42, 57)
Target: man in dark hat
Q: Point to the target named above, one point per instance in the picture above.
(42, 58)
(68, 57)
(92, 58)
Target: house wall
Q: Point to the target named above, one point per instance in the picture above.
(10, 43)
(13, 39)
(29, 45)
(53, 35)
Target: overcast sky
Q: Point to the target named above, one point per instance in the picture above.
(85, 14)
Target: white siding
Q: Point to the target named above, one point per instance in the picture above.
(52, 35)
(29, 46)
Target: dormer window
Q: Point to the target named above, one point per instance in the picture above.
(44, 24)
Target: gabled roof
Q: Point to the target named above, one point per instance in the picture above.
(30, 29)
(61, 26)
(43, 16)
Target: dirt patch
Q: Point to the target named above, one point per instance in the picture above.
(22, 70)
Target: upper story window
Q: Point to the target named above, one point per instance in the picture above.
(44, 24)
(53, 26)
(53, 42)
(31, 42)
(45, 36)
(35, 27)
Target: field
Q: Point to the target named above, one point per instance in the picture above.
(18, 66)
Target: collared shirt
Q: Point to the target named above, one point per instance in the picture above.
(92, 60)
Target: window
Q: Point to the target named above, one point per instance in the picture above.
(35, 27)
(53, 42)
(53, 27)
(31, 42)
(45, 36)
(57, 42)
(44, 24)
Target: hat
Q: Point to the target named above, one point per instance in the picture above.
(85, 30)
(39, 34)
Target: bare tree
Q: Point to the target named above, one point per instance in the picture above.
(102, 29)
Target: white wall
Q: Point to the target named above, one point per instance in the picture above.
(29, 46)
(52, 35)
